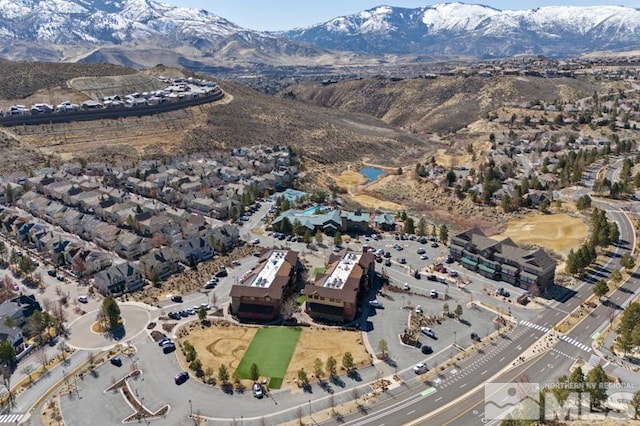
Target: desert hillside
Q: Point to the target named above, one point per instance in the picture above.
(445, 104)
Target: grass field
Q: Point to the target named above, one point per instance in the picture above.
(558, 232)
(271, 350)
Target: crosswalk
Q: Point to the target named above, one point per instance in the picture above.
(10, 418)
(575, 343)
(535, 326)
(594, 360)
(562, 337)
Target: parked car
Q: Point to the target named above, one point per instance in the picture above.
(375, 303)
(428, 331)
(434, 244)
(221, 273)
(181, 378)
(424, 257)
(449, 259)
(176, 298)
(60, 277)
(406, 287)
(433, 293)
(421, 250)
(420, 368)
(426, 349)
(174, 315)
(387, 262)
(500, 291)
(255, 241)
(117, 361)
(432, 277)
(416, 274)
(83, 299)
(418, 309)
(164, 341)
(475, 337)
(257, 390)
(52, 273)
(402, 260)
(210, 284)
(168, 348)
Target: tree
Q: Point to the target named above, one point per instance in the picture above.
(445, 309)
(303, 379)
(444, 234)
(626, 261)
(409, 226)
(307, 237)
(458, 311)
(421, 230)
(577, 384)
(202, 313)
(331, 366)
(27, 369)
(562, 391)
(383, 347)
(319, 237)
(597, 388)
(347, 361)
(254, 372)
(399, 171)
(635, 403)
(7, 353)
(111, 312)
(318, 368)
(337, 239)
(600, 289)
(223, 374)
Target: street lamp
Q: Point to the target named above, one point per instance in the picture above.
(190, 409)
(309, 408)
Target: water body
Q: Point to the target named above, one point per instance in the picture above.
(371, 173)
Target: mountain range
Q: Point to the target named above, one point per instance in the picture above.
(142, 33)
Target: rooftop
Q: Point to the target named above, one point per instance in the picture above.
(267, 274)
(342, 271)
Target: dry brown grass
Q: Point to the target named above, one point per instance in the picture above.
(225, 344)
(558, 232)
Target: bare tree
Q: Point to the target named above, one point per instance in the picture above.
(214, 300)
(289, 308)
(63, 349)
(27, 369)
(59, 315)
(59, 291)
(43, 357)
(355, 393)
(6, 381)
(47, 304)
(91, 359)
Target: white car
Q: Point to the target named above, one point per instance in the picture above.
(83, 299)
(428, 331)
(420, 368)
(406, 287)
(433, 294)
(257, 390)
(256, 241)
(374, 303)
(424, 257)
(418, 309)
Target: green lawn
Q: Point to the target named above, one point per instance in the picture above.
(271, 349)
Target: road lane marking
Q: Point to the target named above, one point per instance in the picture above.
(501, 359)
(483, 373)
(411, 412)
(463, 385)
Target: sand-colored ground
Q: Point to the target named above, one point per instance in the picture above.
(558, 232)
(354, 183)
(375, 203)
(349, 179)
(226, 344)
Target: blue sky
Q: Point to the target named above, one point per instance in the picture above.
(288, 14)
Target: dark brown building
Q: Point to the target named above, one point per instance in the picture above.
(334, 295)
(259, 295)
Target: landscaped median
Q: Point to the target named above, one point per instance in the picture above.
(279, 352)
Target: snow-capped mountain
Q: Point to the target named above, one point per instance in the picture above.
(106, 21)
(468, 29)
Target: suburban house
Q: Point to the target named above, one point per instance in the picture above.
(119, 279)
(88, 261)
(334, 294)
(160, 263)
(503, 260)
(193, 250)
(260, 295)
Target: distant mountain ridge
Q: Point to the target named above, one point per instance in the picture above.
(143, 33)
(477, 30)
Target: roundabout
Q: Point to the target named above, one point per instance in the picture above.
(83, 336)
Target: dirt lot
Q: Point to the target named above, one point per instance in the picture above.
(226, 344)
(558, 232)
